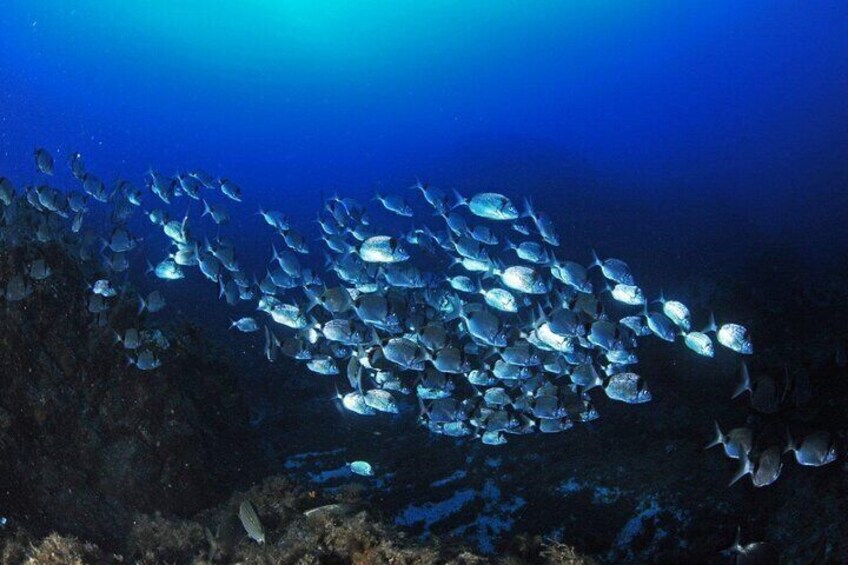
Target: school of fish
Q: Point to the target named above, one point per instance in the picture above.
(473, 313)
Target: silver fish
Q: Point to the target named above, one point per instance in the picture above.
(615, 270)
(382, 249)
(231, 190)
(524, 279)
(490, 205)
(395, 203)
(245, 325)
(737, 443)
(700, 343)
(627, 387)
(43, 161)
(816, 450)
(735, 337)
(146, 361)
(250, 521)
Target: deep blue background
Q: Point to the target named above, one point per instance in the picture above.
(662, 132)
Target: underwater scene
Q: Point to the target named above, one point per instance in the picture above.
(458, 282)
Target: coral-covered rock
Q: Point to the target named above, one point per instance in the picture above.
(88, 441)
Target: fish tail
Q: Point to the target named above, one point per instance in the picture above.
(737, 542)
(790, 443)
(719, 437)
(711, 325)
(745, 468)
(460, 200)
(528, 209)
(596, 261)
(744, 382)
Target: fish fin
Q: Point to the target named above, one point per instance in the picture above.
(460, 200)
(542, 318)
(711, 325)
(744, 469)
(596, 261)
(737, 542)
(790, 443)
(719, 437)
(422, 409)
(744, 383)
(528, 209)
(141, 305)
(786, 383)
(150, 268)
(206, 209)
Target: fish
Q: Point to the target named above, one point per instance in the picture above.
(628, 294)
(395, 203)
(700, 343)
(39, 270)
(627, 387)
(660, 325)
(490, 205)
(355, 402)
(77, 165)
(146, 361)
(817, 449)
(382, 249)
(482, 234)
(7, 191)
(766, 396)
(500, 299)
(94, 187)
(167, 269)
(677, 312)
(207, 180)
(764, 471)
(250, 521)
(572, 274)
(219, 215)
(733, 336)
(231, 190)
(323, 365)
(737, 443)
(544, 225)
(44, 161)
(104, 288)
(153, 303)
(276, 220)
(434, 197)
(245, 325)
(614, 270)
(753, 552)
(17, 289)
(130, 340)
(524, 279)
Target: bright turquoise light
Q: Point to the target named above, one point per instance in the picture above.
(336, 37)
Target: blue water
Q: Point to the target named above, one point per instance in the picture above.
(653, 109)
(689, 138)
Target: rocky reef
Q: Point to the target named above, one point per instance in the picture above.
(86, 441)
(103, 463)
(329, 532)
